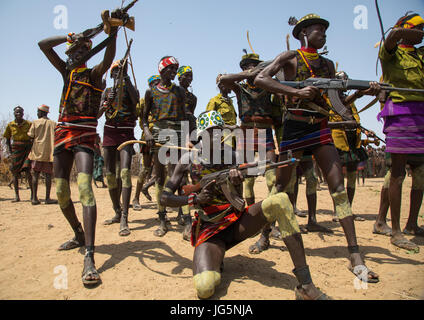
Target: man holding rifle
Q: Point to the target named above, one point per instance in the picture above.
(222, 220)
(119, 105)
(165, 103)
(75, 135)
(306, 123)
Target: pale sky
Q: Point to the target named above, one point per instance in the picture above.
(207, 35)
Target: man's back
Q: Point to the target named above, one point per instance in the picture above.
(42, 130)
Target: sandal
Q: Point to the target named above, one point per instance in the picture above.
(358, 270)
(419, 232)
(299, 296)
(71, 244)
(405, 244)
(51, 201)
(136, 206)
(385, 231)
(115, 219)
(303, 230)
(160, 232)
(358, 218)
(90, 276)
(315, 227)
(124, 232)
(259, 246)
(300, 213)
(275, 233)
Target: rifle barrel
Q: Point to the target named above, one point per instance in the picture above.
(129, 6)
(389, 88)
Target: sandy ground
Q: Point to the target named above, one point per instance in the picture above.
(145, 267)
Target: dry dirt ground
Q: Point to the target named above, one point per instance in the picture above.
(142, 266)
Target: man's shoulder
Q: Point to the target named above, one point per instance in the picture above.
(329, 61)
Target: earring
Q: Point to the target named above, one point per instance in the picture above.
(306, 40)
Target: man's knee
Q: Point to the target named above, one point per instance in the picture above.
(311, 181)
(279, 208)
(386, 182)
(145, 172)
(205, 283)
(63, 192)
(111, 180)
(85, 189)
(249, 187)
(341, 204)
(270, 179)
(126, 178)
(289, 188)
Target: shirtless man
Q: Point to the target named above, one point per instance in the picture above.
(75, 138)
(306, 129)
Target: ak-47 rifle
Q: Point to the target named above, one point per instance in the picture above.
(334, 86)
(106, 25)
(220, 177)
(118, 83)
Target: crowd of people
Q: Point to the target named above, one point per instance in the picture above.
(276, 123)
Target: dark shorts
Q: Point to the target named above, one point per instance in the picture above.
(116, 136)
(302, 136)
(73, 149)
(352, 156)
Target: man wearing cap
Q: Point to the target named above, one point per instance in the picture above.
(119, 108)
(255, 110)
(218, 225)
(165, 102)
(19, 146)
(75, 138)
(306, 128)
(41, 155)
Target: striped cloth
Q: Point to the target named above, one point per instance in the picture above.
(209, 229)
(403, 126)
(75, 131)
(19, 156)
